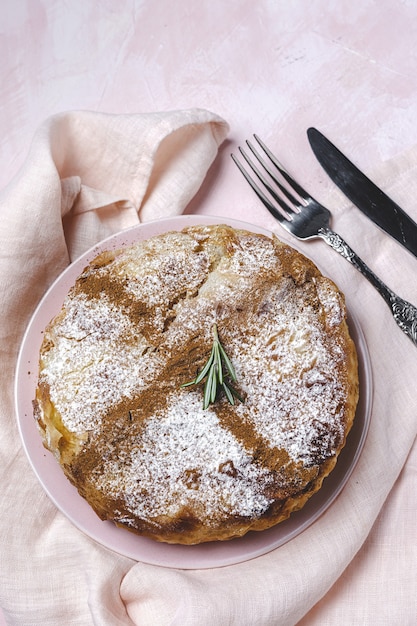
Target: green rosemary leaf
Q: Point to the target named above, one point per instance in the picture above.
(218, 361)
(236, 393)
(208, 388)
(206, 368)
(192, 382)
(217, 371)
(228, 363)
(228, 393)
(202, 374)
(213, 386)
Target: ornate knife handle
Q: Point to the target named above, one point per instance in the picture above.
(405, 314)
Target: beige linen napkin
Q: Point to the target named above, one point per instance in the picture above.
(86, 176)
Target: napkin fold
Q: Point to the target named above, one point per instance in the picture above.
(87, 176)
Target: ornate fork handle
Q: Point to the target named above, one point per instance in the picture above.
(405, 314)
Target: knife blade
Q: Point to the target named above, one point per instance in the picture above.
(360, 190)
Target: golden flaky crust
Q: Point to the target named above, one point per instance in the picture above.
(138, 324)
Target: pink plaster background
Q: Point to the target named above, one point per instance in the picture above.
(273, 67)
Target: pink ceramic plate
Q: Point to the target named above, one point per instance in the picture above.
(76, 509)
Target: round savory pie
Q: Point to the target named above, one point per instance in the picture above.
(198, 385)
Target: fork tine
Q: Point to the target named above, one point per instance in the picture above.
(294, 201)
(262, 197)
(299, 190)
(286, 208)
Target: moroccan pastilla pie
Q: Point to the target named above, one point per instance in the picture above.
(199, 384)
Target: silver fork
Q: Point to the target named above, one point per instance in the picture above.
(305, 218)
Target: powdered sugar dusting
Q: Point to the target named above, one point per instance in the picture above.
(331, 303)
(292, 394)
(288, 365)
(157, 278)
(86, 370)
(197, 463)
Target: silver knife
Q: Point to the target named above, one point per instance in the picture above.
(363, 192)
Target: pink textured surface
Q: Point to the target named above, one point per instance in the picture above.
(274, 68)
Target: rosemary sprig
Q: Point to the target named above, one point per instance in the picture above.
(219, 374)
